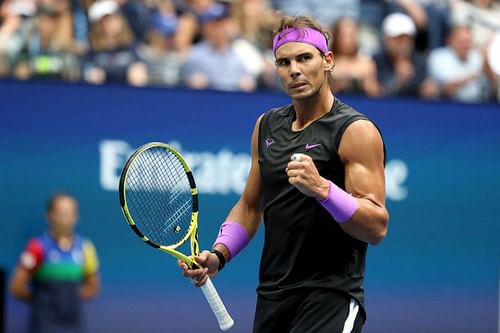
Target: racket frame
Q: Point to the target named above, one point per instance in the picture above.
(193, 227)
(224, 319)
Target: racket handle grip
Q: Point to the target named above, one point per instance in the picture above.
(223, 317)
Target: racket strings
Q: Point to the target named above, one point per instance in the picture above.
(159, 196)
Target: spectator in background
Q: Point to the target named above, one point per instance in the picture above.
(138, 14)
(431, 18)
(253, 22)
(372, 13)
(493, 61)
(47, 54)
(326, 12)
(400, 70)
(56, 271)
(112, 57)
(18, 18)
(158, 51)
(15, 23)
(214, 62)
(458, 68)
(354, 72)
(80, 27)
(483, 17)
(65, 23)
(189, 31)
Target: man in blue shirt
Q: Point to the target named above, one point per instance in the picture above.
(56, 271)
(214, 62)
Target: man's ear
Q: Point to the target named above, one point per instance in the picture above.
(329, 61)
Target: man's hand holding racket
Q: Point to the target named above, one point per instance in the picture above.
(209, 263)
(159, 200)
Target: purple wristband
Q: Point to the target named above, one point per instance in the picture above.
(339, 204)
(233, 236)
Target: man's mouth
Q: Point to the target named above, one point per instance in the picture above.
(297, 85)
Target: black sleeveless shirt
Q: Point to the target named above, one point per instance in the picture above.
(304, 247)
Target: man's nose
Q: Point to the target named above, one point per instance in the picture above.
(294, 70)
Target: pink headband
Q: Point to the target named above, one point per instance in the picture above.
(301, 35)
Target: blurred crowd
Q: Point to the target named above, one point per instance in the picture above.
(431, 49)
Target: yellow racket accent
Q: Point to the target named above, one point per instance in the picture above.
(159, 200)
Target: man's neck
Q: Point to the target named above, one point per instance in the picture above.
(64, 241)
(220, 46)
(310, 109)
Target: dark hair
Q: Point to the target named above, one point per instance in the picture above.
(301, 22)
(54, 197)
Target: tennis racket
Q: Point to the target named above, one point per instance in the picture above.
(159, 199)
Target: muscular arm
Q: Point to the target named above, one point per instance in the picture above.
(361, 150)
(248, 211)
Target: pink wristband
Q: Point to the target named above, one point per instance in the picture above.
(234, 236)
(339, 204)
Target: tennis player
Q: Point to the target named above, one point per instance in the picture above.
(317, 180)
(56, 271)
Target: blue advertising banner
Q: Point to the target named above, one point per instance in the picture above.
(436, 271)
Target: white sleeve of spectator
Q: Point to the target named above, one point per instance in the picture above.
(434, 67)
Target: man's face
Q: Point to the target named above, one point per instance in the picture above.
(461, 41)
(347, 37)
(46, 25)
(216, 31)
(400, 46)
(111, 25)
(302, 69)
(63, 215)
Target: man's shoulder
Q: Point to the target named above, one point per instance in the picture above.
(36, 243)
(345, 115)
(279, 112)
(43, 240)
(441, 53)
(345, 109)
(82, 239)
(275, 117)
(200, 49)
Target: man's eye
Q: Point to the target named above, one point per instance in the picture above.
(281, 62)
(304, 57)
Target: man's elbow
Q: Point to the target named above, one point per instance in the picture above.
(19, 292)
(377, 238)
(380, 232)
(91, 287)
